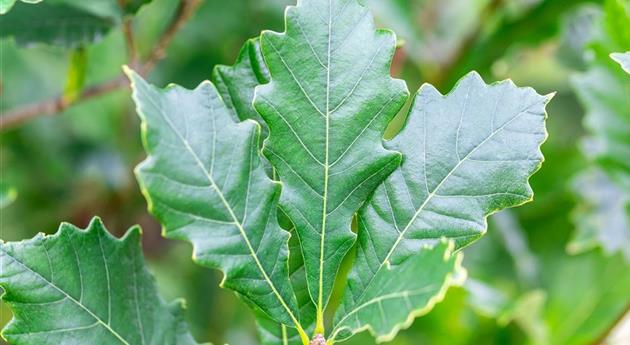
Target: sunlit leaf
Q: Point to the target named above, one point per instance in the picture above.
(623, 59)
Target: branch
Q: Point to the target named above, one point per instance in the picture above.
(16, 117)
(184, 12)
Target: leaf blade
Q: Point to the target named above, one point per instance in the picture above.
(46, 310)
(190, 188)
(478, 162)
(56, 24)
(405, 291)
(622, 59)
(326, 125)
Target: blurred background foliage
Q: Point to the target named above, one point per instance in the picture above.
(555, 271)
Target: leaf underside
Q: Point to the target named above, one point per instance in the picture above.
(622, 59)
(204, 181)
(603, 216)
(85, 287)
(604, 91)
(465, 155)
(327, 105)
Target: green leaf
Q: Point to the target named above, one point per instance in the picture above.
(587, 294)
(76, 75)
(623, 59)
(6, 5)
(527, 314)
(601, 218)
(327, 105)
(85, 287)
(401, 293)
(236, 83)
(8, 194)
(132, 6)
(205, 183)
(57, 24)
(465, 155)
(272, 333)
(604, 90)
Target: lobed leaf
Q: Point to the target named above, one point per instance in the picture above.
(85, 287)
(623, 59)
(237, 83)
(604, 91)
(56, 24)
(6, 5)
(465, 155)
(401, 293)
(204, 181)
(271, 332)
(602, 218)
(327, 105)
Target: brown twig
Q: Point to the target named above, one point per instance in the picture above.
(608, 332)
(16, 117)
(130, 42)
(184, 12)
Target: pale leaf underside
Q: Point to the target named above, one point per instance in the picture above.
(602, 218)
(622, 59)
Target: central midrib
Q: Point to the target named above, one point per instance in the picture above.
(98, 319)
(432, 194)
(320, 300)
(232, 215)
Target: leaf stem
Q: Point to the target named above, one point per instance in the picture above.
(16, 117)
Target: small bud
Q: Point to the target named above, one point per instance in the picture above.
(318, 339)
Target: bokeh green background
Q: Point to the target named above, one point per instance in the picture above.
(524, 287)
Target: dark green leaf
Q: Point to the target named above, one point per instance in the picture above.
(327, 105)
(6, 5)
(85, 287)
(465, 155)
(56, 24)
(401, 293)
(205, 183)
(236, 83)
